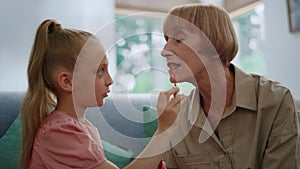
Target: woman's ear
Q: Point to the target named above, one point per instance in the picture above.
(64, 80)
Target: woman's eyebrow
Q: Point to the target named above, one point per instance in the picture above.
(175, 32)
(178, 30)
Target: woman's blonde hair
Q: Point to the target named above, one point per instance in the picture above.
(53, 46)
(214, 22)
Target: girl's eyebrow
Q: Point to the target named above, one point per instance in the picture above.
(104, 64)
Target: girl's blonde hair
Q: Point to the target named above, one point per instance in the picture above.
(214, 22)
(53, 46)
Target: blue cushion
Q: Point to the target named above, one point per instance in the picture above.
(9, 109)
(150, 122)
(119, 156)
(10, 146)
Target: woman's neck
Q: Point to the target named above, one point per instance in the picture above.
(205, 88)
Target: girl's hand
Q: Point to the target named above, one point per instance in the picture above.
(168, 107)
(162, 165)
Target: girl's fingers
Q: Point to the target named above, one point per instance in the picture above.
(171, 92)
(176, 101)
(169, 114)
(164, 165)
(164, 99)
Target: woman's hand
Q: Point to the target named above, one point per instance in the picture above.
(168, 107)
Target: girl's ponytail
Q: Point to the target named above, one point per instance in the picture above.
(53, 46)
(39, 100)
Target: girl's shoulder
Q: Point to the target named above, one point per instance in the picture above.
(65, 140)
(59, 121)
(60, 126)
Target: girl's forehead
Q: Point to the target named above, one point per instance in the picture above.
(92, 55)
(104, 61)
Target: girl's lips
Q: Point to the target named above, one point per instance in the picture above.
(106, 94)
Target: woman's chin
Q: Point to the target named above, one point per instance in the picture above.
(172, 80)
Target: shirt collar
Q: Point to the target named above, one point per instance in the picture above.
(196, 117)
(244, 96)
(245, 89)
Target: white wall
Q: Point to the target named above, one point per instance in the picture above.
(282, 48)
(20, 19)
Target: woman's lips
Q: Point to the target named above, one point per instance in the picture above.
(172, 68)
(173, 65)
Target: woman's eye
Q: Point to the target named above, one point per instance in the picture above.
(178, 41)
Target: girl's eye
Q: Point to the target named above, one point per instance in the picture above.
(101, 71)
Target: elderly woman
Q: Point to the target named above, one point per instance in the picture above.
(231, 119)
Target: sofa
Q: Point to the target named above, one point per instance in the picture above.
(120, 122)
(125, 122)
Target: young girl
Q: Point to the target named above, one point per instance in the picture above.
(68, 72)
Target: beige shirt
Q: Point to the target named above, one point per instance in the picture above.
(259, 131)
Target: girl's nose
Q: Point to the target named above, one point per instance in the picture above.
(109, 81)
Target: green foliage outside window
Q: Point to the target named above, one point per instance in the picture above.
(141, 69)
(250, 35)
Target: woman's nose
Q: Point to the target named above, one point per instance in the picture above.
(167, 50)
(165, 53)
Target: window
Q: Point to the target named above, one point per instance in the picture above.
(141, 69)
(250, 31)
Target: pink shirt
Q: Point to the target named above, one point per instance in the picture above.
(66, 142)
